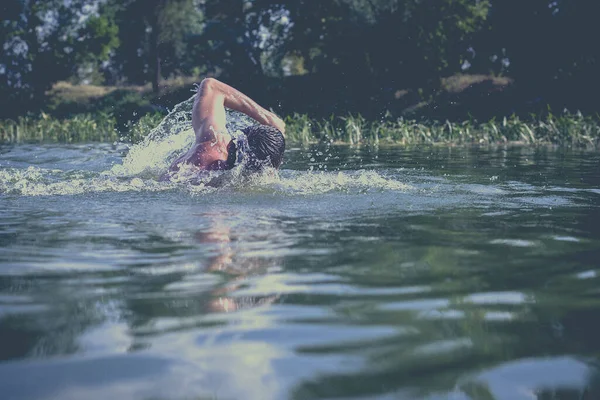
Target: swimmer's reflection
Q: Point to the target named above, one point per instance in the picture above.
(243, 249)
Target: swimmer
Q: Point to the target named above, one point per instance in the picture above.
(216, 149)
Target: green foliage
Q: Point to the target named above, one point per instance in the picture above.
(98, 38)
(155, 39)
(178, 19)
(230, 42)
(545, 47)
(44, 42)
(408, 42)
(97, 127)
(564, 130)
(137, 131)
(355, 55)
(81, 128)
(124, 105)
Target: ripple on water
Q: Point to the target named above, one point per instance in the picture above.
(330, 284)
(514, 242)
(591, 274)
(497, 298)
(526, 378)
(20, 309)
(571, 239)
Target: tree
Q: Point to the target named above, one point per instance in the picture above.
(367, 49)
(154, 37)
(229, 36)
(44, 42)
(550, 47)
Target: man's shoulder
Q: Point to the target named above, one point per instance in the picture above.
(208, 133)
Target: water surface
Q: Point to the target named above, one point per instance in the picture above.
(361, 272)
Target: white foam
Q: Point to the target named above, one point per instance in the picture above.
(35, 181)
(349, 182)
(165, 142)
(148, 160)
(152, 158)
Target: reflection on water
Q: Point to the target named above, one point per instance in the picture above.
(439, 273)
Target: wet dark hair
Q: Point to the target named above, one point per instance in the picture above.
(266, 146)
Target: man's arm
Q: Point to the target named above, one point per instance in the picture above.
(214, 95)
(209, 121)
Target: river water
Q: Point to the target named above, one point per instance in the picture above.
(359, 272)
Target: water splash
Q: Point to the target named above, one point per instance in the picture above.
(35, 181)
(153, 155)
(145, 163)
(312, 183)
(173, 135)
(168, 140)
(152, 158)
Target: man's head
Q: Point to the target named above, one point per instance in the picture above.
(266, 146)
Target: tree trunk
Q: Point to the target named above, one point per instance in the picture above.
(156, 76)
(154, 51)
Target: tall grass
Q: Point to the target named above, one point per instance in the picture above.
(100, 127)
(137, 131)
(568, 129)
(80, 128)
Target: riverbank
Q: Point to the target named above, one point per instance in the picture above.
(467, 109)
(567, 129)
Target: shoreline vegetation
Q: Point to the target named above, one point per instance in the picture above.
(388, 71)
(88, 113)
(566, 129)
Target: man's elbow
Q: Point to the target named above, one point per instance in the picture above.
(207, 84)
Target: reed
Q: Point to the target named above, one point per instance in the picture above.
(136, 131)
(567, 129)
(100, 127)
(79, 128)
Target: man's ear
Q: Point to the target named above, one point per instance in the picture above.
(231, 154)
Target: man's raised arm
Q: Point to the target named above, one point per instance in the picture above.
(236, 100)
